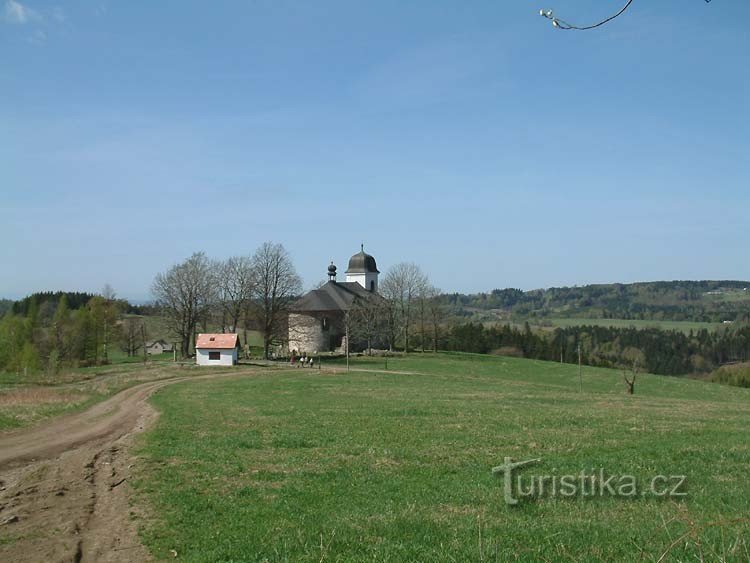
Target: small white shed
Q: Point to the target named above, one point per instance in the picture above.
(158, 347)
(216, 349)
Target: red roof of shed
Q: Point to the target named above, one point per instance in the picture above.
(221, 341)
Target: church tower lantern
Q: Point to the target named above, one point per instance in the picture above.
(363, 270)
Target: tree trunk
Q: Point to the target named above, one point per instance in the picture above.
(143, 337)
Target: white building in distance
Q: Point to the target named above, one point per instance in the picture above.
(216, 349)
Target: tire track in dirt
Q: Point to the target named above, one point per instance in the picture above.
(64, 490)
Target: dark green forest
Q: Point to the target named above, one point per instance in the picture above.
(50, 300)
(663, 352)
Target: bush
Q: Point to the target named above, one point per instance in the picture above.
(508, 351)
(735, 374)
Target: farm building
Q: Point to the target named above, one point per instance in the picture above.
(216, 349)
(158, 347)
(317, 320)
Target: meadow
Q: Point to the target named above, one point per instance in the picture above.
(682, 326)
(29, 399)
(329, 465)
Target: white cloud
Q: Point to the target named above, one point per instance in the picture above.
(17, 13)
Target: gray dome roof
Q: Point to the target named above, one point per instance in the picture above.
(362, 263)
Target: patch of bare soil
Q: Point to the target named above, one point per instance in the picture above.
(64, 490)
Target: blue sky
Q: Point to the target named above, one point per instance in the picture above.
(471, 138)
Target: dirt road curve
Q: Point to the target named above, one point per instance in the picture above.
(64, 485)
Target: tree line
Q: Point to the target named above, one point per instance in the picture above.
(255, 292)
(664, 352)
(700, 301)
(407, 315)
(251, 292)
(53, 334)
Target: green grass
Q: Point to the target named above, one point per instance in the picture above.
(31, 399)
(299, 465)
(120, 357)
(683, 326)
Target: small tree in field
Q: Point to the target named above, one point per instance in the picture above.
(185, 293)
(635, 358)
(402, 286)
(235, 289)
(367, 320)
(437, 315)
(275, 284)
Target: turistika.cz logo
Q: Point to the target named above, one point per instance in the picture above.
(584, 484)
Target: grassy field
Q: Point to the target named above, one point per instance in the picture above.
(683, 326)
(302, 465)
(31, 399)
(28, 399)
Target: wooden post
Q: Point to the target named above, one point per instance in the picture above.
(580, 370)
(143, 337)
(346, 322)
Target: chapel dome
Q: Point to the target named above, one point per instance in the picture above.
(362, 263)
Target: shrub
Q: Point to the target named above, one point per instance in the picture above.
(735, 374)
(508, 351)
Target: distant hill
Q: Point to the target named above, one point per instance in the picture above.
(698, 301)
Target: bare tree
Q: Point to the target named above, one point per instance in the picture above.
(436, 314)
(109, 318)
(425, 293)
(275, 285)
(186, 292)
(367, 320)
(635, 358)
(131, 335)
(401, 286)
(392, 326)
(103, 317)
(235, 287)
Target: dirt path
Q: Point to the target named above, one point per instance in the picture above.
(64, 491)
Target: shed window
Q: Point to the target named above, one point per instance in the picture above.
(214, 355)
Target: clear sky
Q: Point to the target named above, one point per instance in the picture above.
(472, 138)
